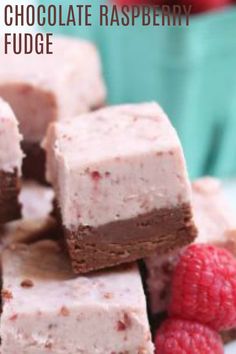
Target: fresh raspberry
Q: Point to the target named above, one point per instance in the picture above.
(204, 287)
(183, 337)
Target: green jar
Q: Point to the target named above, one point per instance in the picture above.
(190, 71)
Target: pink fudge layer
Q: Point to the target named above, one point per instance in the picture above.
(46, 309)
(216, 225)
(44, 88)
(10, 152)
(115, 164)
(36, 200)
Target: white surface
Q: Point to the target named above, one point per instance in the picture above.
(230, 348)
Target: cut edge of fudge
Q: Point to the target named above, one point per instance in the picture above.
(98, 247)
(110, 303)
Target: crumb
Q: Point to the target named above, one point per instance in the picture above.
(52, 325)
(122, 325)
(48, 345)
(12, 247)
(108, 295)
(13, 317)
(27, 283)
(64, 311)
(7, 294)
(148, 336)
(96, 176)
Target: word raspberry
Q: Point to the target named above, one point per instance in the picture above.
(183, 337)
(204, 287)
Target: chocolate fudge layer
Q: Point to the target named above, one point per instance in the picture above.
(31, 169)
(130, 239)
(45, 88)
(102, 313)
(216, 224)
(121, 185)
(10, 164)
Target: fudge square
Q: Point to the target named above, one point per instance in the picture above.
(44, 88)
(121, 185)
(46, 309)
(10, 164)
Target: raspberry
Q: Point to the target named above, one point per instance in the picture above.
(183, 337)
(204, 287)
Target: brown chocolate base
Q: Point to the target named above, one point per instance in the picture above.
(10, 208)
(129, 240)
(34, 162)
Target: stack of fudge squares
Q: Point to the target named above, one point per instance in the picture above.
(85, 256)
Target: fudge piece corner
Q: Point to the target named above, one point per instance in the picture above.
(105, 310)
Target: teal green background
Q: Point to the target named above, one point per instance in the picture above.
(190, 71)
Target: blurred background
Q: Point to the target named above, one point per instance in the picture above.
(190, 71)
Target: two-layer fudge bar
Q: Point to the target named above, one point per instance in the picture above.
(10, 164)
(45, 88)
(46, 309)
(121, 185)
(216, 224)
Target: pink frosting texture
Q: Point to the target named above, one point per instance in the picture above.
(116, 163)
(216, 225)
(10, 152)
(47, 309)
